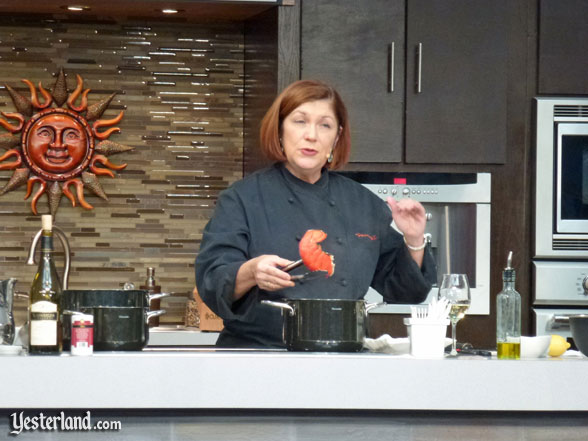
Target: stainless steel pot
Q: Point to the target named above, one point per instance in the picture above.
(323, 325)
(120, 328)
(121, 317)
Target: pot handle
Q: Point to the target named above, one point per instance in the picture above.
(159, 295)
(370, 306)
(279, 305)
(150, 314)
(70, 312)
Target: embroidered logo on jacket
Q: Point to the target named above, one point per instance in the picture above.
(370, 237)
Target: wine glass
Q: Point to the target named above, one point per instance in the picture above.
(456, 289)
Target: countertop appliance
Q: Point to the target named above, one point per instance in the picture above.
(458, 213)
(560, 262)
(561, 181)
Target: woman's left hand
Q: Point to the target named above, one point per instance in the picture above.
(410, 218)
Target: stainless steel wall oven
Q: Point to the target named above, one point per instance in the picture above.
(458, 227)
(560, 262)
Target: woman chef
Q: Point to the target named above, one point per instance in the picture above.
(259, 221)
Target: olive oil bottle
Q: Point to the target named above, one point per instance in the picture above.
(508, 316)
(44, 299)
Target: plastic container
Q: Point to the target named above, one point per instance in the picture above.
(427, 337)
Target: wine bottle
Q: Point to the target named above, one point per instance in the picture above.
(44, 299)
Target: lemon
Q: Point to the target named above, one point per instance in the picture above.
(558, 345)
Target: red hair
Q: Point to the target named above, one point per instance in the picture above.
(292, 97)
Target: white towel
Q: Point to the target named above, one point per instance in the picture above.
(388, 345)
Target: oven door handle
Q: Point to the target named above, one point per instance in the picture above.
(560, 322)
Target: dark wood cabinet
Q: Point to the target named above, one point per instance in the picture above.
(563, 39)
(456, 82)
(440, 98)
(358, 47)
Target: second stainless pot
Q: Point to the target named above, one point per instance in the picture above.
(120, 328)
(115, 328)
(323, 325)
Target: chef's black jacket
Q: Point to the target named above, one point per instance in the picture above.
(268, 212)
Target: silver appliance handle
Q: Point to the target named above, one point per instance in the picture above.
(559, 322)
(447, 240)
(391, 56)
(419, 67)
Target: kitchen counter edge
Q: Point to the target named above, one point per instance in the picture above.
(200, 379)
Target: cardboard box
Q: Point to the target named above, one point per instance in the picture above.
(209, 321)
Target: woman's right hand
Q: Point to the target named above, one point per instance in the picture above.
(263, 271)
(268, 275)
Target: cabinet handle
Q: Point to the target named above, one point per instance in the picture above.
(419, 67)
(391, 57)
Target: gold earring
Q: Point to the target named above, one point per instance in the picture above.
(330, 158)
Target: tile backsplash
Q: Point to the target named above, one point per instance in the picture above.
(181, 88)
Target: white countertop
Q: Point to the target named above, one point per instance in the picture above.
(207, 379)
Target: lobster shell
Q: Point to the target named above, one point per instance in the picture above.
(313, 255)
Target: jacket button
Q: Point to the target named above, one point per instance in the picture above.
(291, 200)
(339, 241)
(332, 203)
(299, 238)
(344, 282)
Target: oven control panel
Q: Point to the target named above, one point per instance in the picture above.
(478, 193)
(403, 191)
(560, 283)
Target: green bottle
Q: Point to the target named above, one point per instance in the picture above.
(44, 299)
(508, 316)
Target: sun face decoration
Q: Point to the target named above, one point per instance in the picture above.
(57, 146)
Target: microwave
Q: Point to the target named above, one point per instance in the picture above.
(561, 180)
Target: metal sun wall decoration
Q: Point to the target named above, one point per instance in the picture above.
(56, 146)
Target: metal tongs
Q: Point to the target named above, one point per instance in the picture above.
(306, 276)
(293, 265)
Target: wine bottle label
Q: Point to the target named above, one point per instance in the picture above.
(43, 324)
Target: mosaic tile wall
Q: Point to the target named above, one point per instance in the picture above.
(181, 87)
